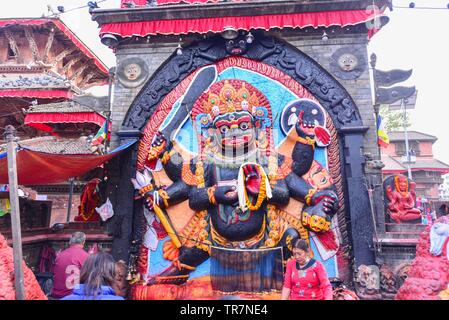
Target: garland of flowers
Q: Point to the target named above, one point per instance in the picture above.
(260, 197)
(396, 185)
(83, 213)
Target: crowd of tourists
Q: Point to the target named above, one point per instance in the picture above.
(79, 275)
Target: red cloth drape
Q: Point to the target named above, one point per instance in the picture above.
(75, 117)
(35, 168)
(216, 24)
(34, 93)
(142, 3)
(137, 3)
(162, 2)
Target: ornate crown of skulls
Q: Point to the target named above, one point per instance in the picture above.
(231, 96)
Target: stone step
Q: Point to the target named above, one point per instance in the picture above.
(397, 241)
(399, 235)
(405, 227)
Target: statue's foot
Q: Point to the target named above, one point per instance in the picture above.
(396, 218)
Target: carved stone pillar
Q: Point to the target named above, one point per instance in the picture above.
(121, 225)
(359, 205)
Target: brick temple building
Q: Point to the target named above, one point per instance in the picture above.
(44, 67)
(42, 61)
(426, 170)
(45, 72)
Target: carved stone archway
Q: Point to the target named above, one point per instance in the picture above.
(281, 55)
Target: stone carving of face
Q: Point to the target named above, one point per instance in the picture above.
(235, 131)
(319, 177)
(369, 277)
(132, 71)
(237, 46)
(348, 62)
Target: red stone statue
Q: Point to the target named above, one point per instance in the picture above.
(402, 200)
(7, 291)
(428, 277)
(90, 199)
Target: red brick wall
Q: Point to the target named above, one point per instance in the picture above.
(389, 150)
(426, 149)
(59, 207)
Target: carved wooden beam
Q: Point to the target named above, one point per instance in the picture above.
(64, 54)
(93, 84)
(13, 43)
(79, 71)
(70, 64)
(32, 43)
(51, 37)
(86, 80)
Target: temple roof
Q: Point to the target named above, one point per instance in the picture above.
(51, 144)
(64, 107)
(395, 165)
(81, 110)
(173, 17)
(412, 135)
(34, 82)
(96, 69)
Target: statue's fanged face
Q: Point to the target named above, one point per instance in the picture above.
(235, 130)
(308, 119)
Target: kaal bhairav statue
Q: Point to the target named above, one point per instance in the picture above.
(237, 181)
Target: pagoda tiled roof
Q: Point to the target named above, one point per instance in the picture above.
(63, 107)
(56, 145)
(44, 81)
(394, 164)
(412, 135)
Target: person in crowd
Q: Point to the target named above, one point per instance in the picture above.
(96, 280)
(305, 277)
(67, 266)
(120, 285)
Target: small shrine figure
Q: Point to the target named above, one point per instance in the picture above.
(402, 198)
(90, 199)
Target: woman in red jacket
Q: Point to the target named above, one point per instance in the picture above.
(305, 278)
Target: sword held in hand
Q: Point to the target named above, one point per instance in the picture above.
(200, 83)
(144, 183)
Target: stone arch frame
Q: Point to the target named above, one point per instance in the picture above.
(290, 60)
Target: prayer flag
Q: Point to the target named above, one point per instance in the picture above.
(383, 140)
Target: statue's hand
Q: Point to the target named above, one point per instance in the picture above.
(322, 136)
(253, 179)
(329, 200)
(153, 198)
(159, 146)
(315, 218)
(157, 150)
(226, 195)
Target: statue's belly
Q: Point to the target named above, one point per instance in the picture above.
(239, 230)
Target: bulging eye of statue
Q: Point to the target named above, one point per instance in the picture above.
(241, 42)
(231, 42)
(244, 125)
(224, 129)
